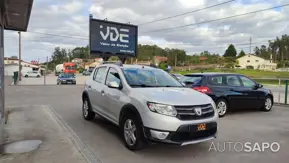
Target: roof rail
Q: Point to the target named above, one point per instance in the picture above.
(119, 63)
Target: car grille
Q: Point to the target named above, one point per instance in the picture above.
(190, 113)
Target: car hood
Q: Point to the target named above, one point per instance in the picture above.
(174, 96)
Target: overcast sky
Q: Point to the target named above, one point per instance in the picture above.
(70, 18)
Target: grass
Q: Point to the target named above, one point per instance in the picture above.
(263, 77)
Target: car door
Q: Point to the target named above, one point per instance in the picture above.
(113, 95)
(218, 86)
(255, 96)
(236, 94)
(96, 98)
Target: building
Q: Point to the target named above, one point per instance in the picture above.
(12, 65)
(158, 59)
(256, 62)
(77, 60)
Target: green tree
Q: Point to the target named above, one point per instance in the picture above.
(231, 51)
(241, 54)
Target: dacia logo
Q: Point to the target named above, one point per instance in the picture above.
(198, 111)
(114, 34)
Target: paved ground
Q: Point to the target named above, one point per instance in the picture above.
(37, 122)
(50, 80)
(102, 138)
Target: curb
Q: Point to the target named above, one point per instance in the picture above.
(85, 151)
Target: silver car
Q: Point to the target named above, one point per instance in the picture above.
(149, 105)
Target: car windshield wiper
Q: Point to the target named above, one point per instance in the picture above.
(141, 85)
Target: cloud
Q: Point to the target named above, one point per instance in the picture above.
(70, 18)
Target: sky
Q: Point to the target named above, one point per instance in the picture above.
(64, 23)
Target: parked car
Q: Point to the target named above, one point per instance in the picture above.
(177, 76)
(149, 105)
(230, 91)
(66, 78)
(32, 74)
(86, 73)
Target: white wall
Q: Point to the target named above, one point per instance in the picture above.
(253, 61)
(10, 69)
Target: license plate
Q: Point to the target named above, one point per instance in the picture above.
(68, 82)
(201, 127)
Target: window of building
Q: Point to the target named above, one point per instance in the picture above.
(257, 61)
(248, 61)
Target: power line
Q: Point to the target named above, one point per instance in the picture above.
(224, 18)
(174, 16)
(56, 35)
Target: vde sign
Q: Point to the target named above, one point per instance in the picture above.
(114, 35)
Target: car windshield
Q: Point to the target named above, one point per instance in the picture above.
(66, 76)
(149, 77)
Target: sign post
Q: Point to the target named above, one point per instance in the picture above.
(108, 39)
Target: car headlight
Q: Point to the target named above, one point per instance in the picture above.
(63, 80)
(162, 109)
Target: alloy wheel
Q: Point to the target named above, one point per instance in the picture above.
(130, 132)
(268, 103)
(222, 108)
(85, 108)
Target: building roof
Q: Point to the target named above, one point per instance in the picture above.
(161, 58)
(16, 14)
(252, 55)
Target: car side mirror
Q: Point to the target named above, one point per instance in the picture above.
(259, 86)
(114, 85)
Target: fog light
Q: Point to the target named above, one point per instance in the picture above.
(159, 135)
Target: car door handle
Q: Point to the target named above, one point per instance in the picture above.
(102, 92)
(89, 87)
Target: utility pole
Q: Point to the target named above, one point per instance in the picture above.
(250, 44)
(19, 57)
(2, 81)
(176, 58)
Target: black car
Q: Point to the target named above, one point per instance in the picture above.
(66, 78)
(230, 91)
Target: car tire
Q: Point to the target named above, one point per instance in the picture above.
(38, 76)
(222, 107)
(131, 127)
(268, 104)
(26, 76)
(87, 112)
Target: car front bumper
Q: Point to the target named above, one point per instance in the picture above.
(185, 134)
(68, 82)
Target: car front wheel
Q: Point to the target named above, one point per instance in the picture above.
(222, 107)
(88, 114)
(132, 133)
(268, 104)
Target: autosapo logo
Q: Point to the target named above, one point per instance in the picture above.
(114, 34)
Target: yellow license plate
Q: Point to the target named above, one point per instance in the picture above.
(202, 127)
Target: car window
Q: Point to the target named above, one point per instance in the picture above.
(100, 75)
(191, 79)
(247, 82)
(233, 81)
(112, 76)
(95, 72)
(216, 80)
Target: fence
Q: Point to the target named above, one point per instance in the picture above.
(278, 86)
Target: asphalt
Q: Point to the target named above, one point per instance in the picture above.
(103, 140)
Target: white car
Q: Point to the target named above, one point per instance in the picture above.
(32, 74)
